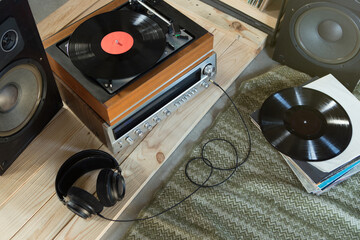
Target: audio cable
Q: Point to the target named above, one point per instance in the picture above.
(232, 170)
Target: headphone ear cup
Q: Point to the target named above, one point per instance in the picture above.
(104, 188)
(83, 203)
(110, 187)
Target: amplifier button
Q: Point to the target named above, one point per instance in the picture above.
(138, 132)
(166, 112)
(148, 126)
(129, 140)
(157, 119)
(205, 84)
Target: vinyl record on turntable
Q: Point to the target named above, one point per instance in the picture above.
(116, 45)
(305, 124)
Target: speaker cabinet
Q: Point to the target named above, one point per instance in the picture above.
(28, 94)
(321, 37)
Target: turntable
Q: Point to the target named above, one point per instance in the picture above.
(125, 69)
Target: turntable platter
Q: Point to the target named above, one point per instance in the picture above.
(116, 45)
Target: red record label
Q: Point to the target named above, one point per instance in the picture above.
(117, 42)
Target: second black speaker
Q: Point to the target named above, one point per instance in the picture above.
(321, 37)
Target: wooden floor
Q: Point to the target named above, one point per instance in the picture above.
(29, 207)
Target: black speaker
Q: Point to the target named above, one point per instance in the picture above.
(321, 37)
(28, 94)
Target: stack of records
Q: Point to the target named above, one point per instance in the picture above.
(316, 128)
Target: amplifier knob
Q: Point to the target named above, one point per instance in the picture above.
(129, 140)
(209, 70)
(148, 126)
(205, 84)
(138, 132)
(157, 119)
(166, 112)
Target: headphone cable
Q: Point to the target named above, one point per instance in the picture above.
(208, 163)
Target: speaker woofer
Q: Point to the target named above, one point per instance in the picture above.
(326, 33)
(21, 90)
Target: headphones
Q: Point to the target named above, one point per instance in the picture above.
(110, 185)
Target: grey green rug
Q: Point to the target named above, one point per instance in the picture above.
(263, 199)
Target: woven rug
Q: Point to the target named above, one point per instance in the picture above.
(263, 199)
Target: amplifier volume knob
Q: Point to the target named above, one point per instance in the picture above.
(209, 70)
(129, 140)
(157, 119)
(138, 132)
(148, 126)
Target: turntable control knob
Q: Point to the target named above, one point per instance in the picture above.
(157, 119)
(209, 70)
(129, 140)
(138, 132)
(148, 126)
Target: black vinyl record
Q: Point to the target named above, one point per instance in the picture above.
(305, 124)
(116, 45)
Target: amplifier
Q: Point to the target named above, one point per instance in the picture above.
(125, 135)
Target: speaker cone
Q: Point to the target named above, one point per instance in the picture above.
(326, 33)
(21, 90)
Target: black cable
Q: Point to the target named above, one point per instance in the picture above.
(208, 163)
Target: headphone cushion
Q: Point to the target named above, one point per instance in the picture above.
(104, 187)
(85, 200)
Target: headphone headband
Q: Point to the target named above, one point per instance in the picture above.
(79, 164)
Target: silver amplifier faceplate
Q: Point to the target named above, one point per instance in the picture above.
(133, 137)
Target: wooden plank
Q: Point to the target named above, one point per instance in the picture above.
(146, 159)
(201, 12)
(35, 156)
(63, 16)
(36, 192)
(99, 4)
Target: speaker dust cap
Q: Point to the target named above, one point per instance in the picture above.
(325, 32)
(21, 89)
